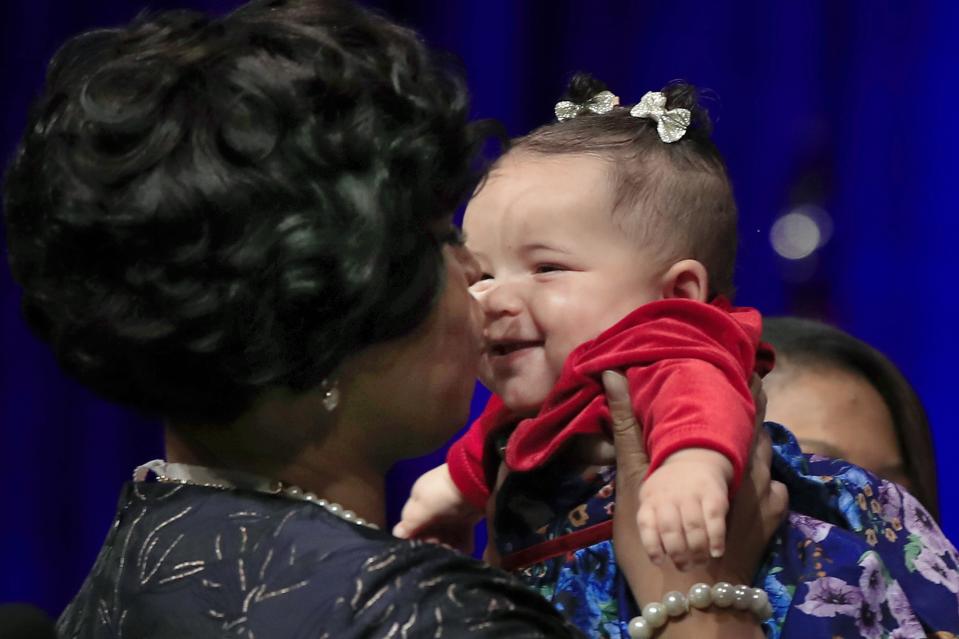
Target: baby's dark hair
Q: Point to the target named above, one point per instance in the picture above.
(682, 188)
(202, 208)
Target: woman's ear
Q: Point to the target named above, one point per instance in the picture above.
(686, 279)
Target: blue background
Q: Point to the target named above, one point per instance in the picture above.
(849, 106)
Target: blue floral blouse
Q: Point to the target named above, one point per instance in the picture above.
(856, 557)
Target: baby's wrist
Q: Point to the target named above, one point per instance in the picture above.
(705, 457)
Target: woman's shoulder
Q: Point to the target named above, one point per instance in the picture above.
(189, 561)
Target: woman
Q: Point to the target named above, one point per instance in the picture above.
(243, 225)
(842, 398)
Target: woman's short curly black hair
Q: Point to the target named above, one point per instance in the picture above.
(205, 207)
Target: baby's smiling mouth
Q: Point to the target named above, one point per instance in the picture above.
(500, 349)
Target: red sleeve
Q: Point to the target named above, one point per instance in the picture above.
(691, 403)
(465, 457)
(689, 366)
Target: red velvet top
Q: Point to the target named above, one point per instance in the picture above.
(688, 366)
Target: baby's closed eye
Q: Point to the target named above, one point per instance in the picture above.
(541, 269)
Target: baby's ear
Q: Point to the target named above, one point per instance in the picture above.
(686, 279)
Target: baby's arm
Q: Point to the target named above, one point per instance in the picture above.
(438, 511)
(683, 507)
(698, 424)
(449, 500)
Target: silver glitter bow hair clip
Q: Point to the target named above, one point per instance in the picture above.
(671, 124)
(602, 102)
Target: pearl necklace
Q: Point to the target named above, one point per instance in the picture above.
(187, 474)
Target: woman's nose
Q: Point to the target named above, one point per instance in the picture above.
(471, 267)
(467, 263)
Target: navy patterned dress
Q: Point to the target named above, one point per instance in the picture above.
(186, 561)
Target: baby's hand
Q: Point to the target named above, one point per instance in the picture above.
(437, 511)
(683, 506)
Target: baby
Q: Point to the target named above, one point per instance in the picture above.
(607, 241)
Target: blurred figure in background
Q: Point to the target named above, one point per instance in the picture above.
(842, 398)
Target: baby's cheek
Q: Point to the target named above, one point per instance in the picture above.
(557, 351)
(578, 325)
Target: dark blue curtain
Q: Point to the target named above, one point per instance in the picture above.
(839, 112)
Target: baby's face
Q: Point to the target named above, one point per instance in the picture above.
(558, 269)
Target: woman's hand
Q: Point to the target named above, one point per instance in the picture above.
(756, 511)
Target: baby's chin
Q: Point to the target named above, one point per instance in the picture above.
(523, 392)
(519, 404)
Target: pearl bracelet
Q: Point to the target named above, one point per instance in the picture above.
(701, 596)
